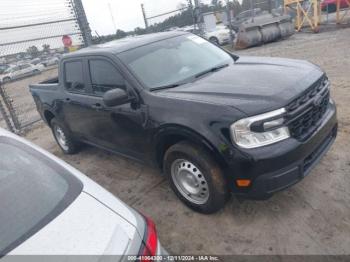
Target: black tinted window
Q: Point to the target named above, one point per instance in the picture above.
(104, 77)
(74, 79)
(33, 191)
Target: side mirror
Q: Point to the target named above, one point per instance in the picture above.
(115, 97)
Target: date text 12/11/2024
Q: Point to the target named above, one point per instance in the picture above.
(173, 258)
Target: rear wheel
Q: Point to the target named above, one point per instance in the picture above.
(195, 177)
(64, 138)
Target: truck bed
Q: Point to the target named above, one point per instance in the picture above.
(49, 84)
(53, 80)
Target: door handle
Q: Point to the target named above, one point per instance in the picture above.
(67, 99)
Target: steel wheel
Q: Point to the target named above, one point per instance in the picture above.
(61, 137)
(190, 181)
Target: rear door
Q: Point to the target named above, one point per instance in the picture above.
(76, 100)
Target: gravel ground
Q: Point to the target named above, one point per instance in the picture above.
(312, 217)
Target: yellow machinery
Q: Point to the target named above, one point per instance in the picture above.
(308, 13)
(341, 18)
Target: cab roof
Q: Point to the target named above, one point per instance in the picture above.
(121, 45)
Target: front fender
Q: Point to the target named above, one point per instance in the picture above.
(179, 132)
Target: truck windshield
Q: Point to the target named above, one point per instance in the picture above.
(173, 61)
(33, 191)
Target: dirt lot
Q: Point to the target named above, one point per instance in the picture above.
(312, 217)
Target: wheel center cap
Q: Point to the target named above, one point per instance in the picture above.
(189, 182)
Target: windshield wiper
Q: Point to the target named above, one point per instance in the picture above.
(168, 86)
(163, 87)
(211, 70)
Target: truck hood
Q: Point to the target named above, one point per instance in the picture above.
(252, 84)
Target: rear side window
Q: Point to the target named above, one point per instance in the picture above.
(104, 77)
(33, 191)
(74, 78)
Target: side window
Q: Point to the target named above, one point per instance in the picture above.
(104, 77)
(74, 79)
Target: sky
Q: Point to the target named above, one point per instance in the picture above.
(127, 16)
(127, 13)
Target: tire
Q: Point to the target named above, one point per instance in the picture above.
(214, 40)
(70, 145)
(6, 79)
(192, 172)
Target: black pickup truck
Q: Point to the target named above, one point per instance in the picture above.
(215, 123)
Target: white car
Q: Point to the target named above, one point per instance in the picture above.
(219, 36)
(50, 208)
(50, 61)
(20, 71)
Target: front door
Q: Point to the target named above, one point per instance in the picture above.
(120, 128)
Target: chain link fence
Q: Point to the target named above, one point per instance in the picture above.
(33, 37)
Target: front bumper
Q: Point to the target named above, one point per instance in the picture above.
(224, 40)
(278, 166)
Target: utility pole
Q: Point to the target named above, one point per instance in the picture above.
(144, 15)
(82, 21)
(228, 12)
(113, 21)
(190, 7)
(252, 7)
(198, 16)
(270, 6)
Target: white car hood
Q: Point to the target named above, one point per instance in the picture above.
(86, 227)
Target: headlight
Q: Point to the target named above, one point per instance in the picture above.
(243, 135)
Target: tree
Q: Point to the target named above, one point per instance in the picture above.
(217, 4)
(46, 48)
(246, 5)
(140, 31)
(236, 7)
(33, 51)
(120, 34)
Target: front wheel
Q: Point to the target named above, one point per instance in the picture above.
(63, 137)
(214, 40)
(195, 177)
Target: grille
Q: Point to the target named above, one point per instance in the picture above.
(305, 112)
(318, 151)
